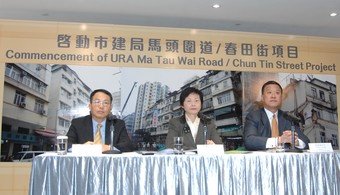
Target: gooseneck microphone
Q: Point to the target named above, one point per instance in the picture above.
(205, 128)
(293, 136)
(112, 119)
(292, 129)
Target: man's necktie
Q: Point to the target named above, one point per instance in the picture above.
(98, 135)
(275, 128)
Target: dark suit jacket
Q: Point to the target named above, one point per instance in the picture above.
(81, 131)
(179, 127)
(257, 129)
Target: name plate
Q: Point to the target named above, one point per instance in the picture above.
(320, 147)
(87, 149)
(217, 149)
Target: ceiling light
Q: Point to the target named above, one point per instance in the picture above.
(333, 14)
(216, 6)
(83, 26)
(193, 31)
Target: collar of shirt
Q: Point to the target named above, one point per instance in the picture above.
(270, 116)
(102, 129)
(193, 126)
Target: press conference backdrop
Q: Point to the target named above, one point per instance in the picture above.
(130, 46)
(167, 48)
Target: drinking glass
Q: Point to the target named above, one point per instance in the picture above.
(178, 145)
(62, 144)
(280, 147)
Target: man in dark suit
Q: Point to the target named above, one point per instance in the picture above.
(95, 128)
(259, 130)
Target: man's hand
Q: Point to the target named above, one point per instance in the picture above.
(104, 146)
(286, 137)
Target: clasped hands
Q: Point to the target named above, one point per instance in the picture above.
(286, 137)
(105, 147)
(210, 142)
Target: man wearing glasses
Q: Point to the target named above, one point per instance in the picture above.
(95, 128)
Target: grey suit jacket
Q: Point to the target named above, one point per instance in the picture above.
(179, 127)
(81, 131)
(257, 129)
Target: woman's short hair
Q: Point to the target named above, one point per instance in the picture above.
(187, 91)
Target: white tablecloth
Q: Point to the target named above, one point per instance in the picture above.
(252, 173)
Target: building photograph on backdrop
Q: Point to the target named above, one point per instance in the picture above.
(40, 101)
(309, 101)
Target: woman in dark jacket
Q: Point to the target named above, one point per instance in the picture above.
(192, 125)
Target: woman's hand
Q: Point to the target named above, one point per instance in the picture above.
(210, 142)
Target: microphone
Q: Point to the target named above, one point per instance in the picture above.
(112, 118)
(291, 119)
(293, 137)
(204, 120)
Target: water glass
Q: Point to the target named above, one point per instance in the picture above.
(62, 144)
(280, 147)
(178, 145)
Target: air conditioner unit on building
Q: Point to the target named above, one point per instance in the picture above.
(22, 104)
(23, 73)
(42, 112)
(38, 68)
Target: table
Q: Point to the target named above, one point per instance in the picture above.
(252, 173)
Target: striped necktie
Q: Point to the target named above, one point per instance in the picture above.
(98, 135)
(275, 128)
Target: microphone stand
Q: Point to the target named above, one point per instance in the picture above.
(112, 130)
(205, 133)
(293, 148)
(292, 128)
(205, 129)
